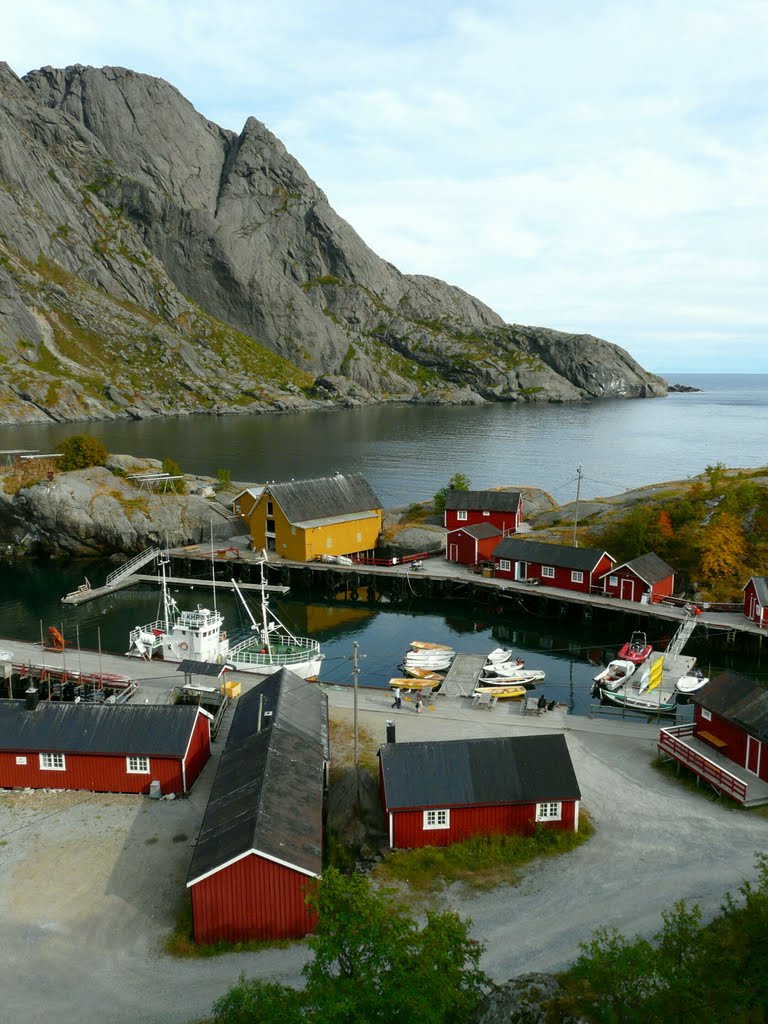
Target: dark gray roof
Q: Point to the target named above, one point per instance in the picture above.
(739, 700)
(761, 588)
(649, 567)
(479, 530)
(483, 501)
(505, 770)
(562, 555)
(201, 668)
(268, 792)
(324, 496)
(149, 730)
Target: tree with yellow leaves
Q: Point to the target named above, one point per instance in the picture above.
(723, 549)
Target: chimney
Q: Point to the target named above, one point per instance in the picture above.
(390, 731)
(32, 698)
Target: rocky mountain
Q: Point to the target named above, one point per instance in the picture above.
(153, 263)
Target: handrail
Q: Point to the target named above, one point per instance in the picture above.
(708, 770)
(128, 567)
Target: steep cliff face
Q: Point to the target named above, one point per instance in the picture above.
(152, 262)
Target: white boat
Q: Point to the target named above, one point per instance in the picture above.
(197, 635)
(500, 654)
(692, 682)
(424, 645)
(616, 674)
(434, 660)
(423, 673)
(524, 678)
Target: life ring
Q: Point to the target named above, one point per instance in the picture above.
(183, 646)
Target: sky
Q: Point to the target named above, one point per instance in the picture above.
(596, 166)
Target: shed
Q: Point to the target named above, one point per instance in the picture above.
(102, 748)
(329, 515)
(471, 544)
(756, 600)
(646, 579)
(734, 710)
(441, 792)
(556, 565)
(261, 840)
(503, 509)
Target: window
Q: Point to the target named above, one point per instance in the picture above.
(486, 513)
(549, 811)
(613, 581)
(706, 715)
(577, 577)
(53, 763)
(505, 565)
(437, 819)
(461, 516)
(137, 765)
(270, 509)
(21, 759)
(547, 572)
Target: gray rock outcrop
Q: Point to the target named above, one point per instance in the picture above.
(523, 1000)
(153, 263)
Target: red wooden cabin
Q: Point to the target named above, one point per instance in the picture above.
(101, 748)
(442, 792)
(756, 600)
(261, 840)
(472, 544)
(648, 579)
(503, 509)
(554, 565)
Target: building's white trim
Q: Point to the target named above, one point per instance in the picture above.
(391, 830)
(137, 771)
(256, 853)
(50, 767)
(541, 815)
(576, 804)
(445, 822)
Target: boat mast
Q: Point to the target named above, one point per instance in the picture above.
(264, 607)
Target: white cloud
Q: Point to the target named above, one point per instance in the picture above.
(598, 167)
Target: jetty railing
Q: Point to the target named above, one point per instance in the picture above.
(128, 568)
(672, 742)
(396, 559)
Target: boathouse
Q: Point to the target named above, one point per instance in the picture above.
(556, 565)
(647, 580)
(727, 742)
(260, 844)
(102, 748)
(756, 600)
(503, 509)
(245, 501)
(442, 792)
(469, 545)
(303, 520)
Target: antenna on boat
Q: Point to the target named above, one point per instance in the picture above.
(213, 571)
(576, 515)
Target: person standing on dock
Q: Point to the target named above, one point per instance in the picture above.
(419, 703)
(397, 703)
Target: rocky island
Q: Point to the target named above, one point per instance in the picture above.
(153, 263)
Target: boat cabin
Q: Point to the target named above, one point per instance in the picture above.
(756, 600)
(442, 792)
(554, 565)
(646, 579)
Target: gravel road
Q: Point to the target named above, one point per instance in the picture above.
(90, 884)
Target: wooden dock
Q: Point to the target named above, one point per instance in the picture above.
(92, 593)
(461, 678)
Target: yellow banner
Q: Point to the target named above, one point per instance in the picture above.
(654, 679)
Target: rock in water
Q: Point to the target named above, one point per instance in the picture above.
(153, 263)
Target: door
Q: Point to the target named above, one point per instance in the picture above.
(520, 570)
(627, 590)
(753, 755)
(453, 552)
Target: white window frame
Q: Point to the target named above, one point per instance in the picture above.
(461, 515)
(547, 572)
(505, 565)
(486, 513)
(140, 765)
(576, 576)
(53, 763)
(436, 818)
(550, 810)
(706, 715)
(613, 581)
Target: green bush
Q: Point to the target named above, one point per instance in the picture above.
(174, 469)
(81, 451)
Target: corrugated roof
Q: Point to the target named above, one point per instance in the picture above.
(761, 588)
(268, 792)
(483, 501)
(350, 517)
(503, 770)
(649, 568)
(324, 496)
(148, 730)
(738, 699)
(479, 530)
(562, 555)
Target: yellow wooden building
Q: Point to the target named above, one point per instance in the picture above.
(305, 519)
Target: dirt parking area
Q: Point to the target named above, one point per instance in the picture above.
(91, 884)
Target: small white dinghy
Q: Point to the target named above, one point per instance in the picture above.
(691, 683)
(615, 675)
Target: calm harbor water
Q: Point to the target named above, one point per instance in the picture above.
(407, 453)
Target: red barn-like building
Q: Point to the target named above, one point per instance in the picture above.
(261, 841)
(438, 793)
(472, 544)
(648, 579)
(555, 565)
(756, 600)
(101, 748)
(503, 509)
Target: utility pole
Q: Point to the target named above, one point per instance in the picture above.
(576, 517)
(354, 723)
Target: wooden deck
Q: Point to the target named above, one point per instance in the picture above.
(461, 678)
(680, 743)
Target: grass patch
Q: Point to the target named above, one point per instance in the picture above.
(342, 745)
(482, 862)
(180, 943)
